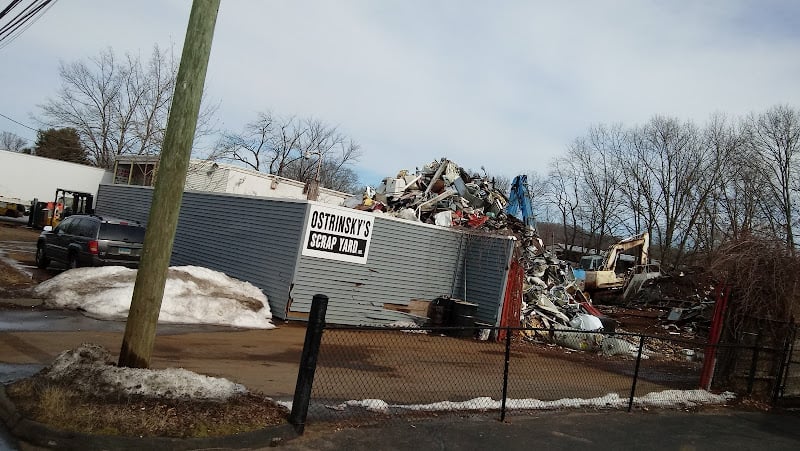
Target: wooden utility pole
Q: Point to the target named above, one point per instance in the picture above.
(140, 330)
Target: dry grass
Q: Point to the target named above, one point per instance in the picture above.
(64, 408)
(763, 280)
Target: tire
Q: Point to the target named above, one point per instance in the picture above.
(42, 260)
(72, 260)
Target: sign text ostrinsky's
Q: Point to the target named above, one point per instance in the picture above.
(338, 234)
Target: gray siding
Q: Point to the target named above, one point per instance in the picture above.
(258, 240)
(487, 263)
(124, 202)
(406, 261)
(249, 238)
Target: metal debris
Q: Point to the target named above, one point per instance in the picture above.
(440, 193)
(554, 307)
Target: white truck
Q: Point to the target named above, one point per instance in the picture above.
(28, 177)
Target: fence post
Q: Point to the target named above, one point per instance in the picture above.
(712, 346)
(308, 362)
(754, 363)
(636, 372)
(505, 374)
(783, 369)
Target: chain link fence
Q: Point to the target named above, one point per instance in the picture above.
(368, 371)
(349, 373)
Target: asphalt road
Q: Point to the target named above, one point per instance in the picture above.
(653, 430)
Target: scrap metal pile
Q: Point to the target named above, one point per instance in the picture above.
(441, 193)
(444, 194)
(686, 297)
(554, 310)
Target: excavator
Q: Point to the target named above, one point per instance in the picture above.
(603, 281)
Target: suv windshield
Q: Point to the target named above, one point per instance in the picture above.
(121, 232)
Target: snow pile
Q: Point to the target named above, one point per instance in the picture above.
(667, 398)
(373, 405)
(90, 369)
(407, 327)
(192, 295)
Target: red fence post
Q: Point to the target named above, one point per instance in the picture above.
(710, 361)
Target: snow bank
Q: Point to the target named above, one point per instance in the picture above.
(192, 295)
(90, 369)
(667, 398)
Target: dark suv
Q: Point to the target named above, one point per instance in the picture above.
(88, 240)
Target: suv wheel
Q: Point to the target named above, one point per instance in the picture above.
(72, 261)
(41, 257)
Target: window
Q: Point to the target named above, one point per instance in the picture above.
(65, 226)
(121, 232)
(85, 228)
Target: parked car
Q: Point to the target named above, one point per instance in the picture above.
(89, 240)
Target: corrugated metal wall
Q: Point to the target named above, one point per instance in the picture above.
(244, 237)
(124, 202)
(249, 238)
(487, 264)
(406, 261)
(258, 240)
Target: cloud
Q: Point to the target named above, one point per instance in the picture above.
(506, 85)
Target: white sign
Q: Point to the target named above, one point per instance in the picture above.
(336, 234)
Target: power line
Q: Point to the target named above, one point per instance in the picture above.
(9, 8)
(19, 123)
(20, 18)
(22, 21)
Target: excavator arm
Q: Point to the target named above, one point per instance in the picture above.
(605, 277)
(643, 239)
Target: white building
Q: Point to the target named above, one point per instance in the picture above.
(210, 176)
(214, 177)
(27, 177)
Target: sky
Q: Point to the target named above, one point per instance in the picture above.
(506, 85)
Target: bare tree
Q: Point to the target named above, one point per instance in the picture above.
(636, 186)
(775, 137)
(307, 150)
(724, 193)
(118, 106)
(267, 144)
(12, 142)
(692, 189)
(675, 160)
(562, 193)
(599, 180)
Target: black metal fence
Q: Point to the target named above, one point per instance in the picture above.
(373, 371)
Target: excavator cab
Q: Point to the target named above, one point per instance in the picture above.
(591, 262)
(605, 279)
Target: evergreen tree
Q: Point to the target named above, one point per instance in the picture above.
(60, 144)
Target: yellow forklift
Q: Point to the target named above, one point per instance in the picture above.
(67, 202)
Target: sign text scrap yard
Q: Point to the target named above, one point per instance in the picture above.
(338, 234)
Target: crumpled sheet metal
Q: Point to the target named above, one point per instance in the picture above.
(444, 194)
(440, 186)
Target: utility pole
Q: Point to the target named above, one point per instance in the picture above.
(140, 330)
